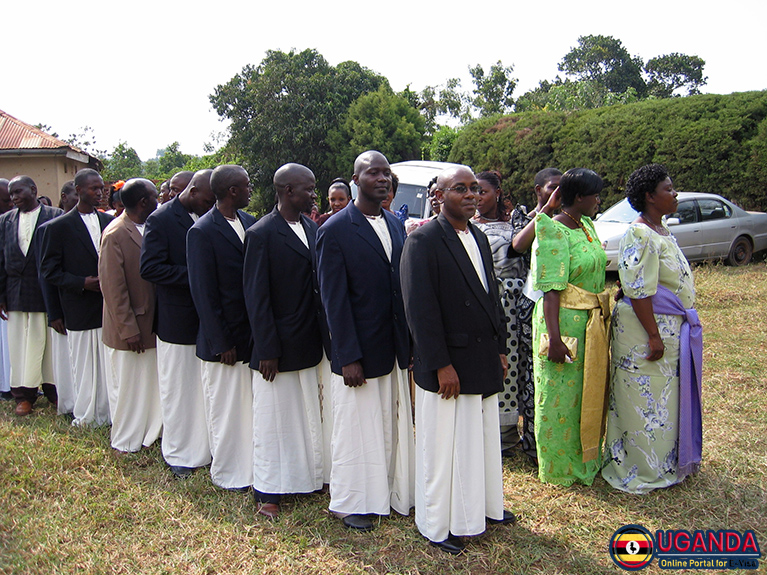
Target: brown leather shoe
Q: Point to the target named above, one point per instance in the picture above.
(270, 510)
(23, 408)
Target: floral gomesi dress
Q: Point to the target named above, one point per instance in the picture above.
(562, 256)
(642, 422)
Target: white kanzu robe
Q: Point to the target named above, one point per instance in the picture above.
(134, 398)
(459, 475)
(229, 394)
(372, 446)
(88, 356)
(287, 433)
(31, 363)
(185, 437)
(62, 371)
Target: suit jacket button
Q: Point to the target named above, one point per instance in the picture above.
(467, 303)
(479, 340)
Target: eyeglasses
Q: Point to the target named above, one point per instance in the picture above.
(461, 189)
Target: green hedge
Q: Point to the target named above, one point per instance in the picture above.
(709, 143)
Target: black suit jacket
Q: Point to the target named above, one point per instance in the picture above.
(361, 293)
(452, 319)
(163, 263)
(282, 294)
(50, 292)
(19, 278)
(67, 258)
(215, 256)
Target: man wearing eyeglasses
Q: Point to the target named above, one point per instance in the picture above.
(459, 362)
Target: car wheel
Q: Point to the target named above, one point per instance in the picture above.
(740, 252)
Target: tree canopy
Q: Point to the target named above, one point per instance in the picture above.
(380, 120)
(283, 109)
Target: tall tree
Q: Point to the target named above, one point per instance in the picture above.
(283, 109)
(669, 73)
(492, 93)
(380, 120)
(123, 163)
(604, 60)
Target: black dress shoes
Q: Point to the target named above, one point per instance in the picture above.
(508, 519)
(453, 545)
(180, 472)
(358, 522)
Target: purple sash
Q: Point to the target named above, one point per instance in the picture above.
(690, 372)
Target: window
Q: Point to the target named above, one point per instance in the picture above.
(686, 212)
(713, 210)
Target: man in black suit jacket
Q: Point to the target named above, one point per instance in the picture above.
(69, 261)
(215, 253)
(454, 314)
(285, 312)
(21, 297)
(185, 439)
(359, 250)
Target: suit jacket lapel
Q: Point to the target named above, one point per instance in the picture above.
(182, 216)
(82, 233)
(487, 263)
(226, 228)
(366, 232)
(133, 232)
(289, 236)
(12, 238)
(455, 246)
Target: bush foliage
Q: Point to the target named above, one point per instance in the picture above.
(709, 143)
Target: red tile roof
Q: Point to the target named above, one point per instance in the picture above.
(15, 135)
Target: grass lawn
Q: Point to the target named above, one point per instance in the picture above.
(68, 504)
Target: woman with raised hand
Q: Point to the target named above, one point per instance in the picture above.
(570, 346)
(654, 430)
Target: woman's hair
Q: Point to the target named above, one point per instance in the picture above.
(493, 177)
(579, 182)
(644, 181)
(344, 183)
(542, 177)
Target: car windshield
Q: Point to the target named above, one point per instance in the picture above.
(621, 212)
(413, 196)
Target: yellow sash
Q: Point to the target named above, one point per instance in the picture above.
(596, 361)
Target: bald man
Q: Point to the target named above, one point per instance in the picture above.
(285, 312)
(459, 362)
(5, 364)
(359, 251)
(215, 253)
(178, 183)
(185, 437)
(21, 297)
(129, 304)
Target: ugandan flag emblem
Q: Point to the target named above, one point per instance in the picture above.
(632, 547)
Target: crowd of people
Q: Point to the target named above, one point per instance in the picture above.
(280, 352)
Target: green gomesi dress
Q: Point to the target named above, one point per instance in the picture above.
(643, 416)
(562, 256)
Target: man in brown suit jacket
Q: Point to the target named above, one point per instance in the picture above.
(129, 305)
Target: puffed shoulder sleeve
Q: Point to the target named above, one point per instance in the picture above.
(639, 262)
(551, 255)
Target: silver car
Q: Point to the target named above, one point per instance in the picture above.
(706, 226)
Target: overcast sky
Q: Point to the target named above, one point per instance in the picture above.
(141, 71)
